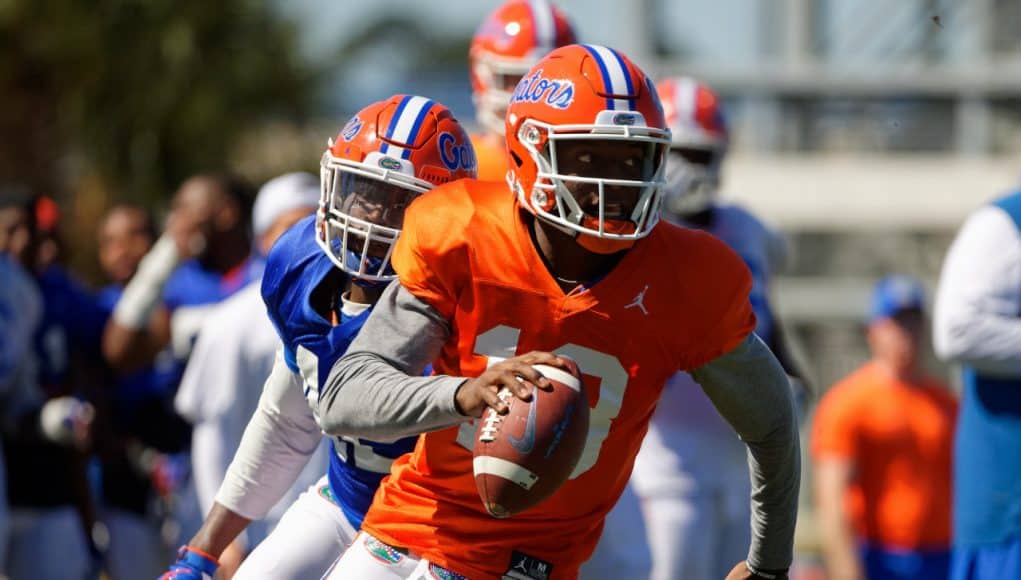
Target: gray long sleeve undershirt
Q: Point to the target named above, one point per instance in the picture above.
(373, 391)
(751, 391)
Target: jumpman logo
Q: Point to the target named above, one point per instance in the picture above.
(639, 301)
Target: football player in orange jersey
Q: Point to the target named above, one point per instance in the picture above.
(508, 42)
(575, 263)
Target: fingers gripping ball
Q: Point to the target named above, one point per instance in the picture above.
(523, 457)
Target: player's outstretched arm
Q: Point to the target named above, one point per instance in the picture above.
(375, 390)
(280, 438)
(276, 445)
(140, 326)
(133, 336)
(749, 388)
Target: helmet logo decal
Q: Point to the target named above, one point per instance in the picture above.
(390, 163)
(456, 155)
(625, 119)
(351, 128)
(556, 93)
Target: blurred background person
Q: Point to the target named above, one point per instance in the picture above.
(203, 256)
(44, 450)
(229, 364)
(977, 325)
(136, 549)
(881, 442)
(690, 476)
(511, 39)
(20, 312)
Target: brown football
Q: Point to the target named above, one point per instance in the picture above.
(523, 457)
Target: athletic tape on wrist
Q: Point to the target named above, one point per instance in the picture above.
(143, 293)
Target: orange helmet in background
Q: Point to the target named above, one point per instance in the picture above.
(386, 155)
(510, 40)
(698, 146)
(595, 94)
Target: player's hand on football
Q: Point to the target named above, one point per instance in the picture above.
(515, 374)
(742, 572)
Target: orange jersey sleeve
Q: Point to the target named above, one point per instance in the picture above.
(491, 152)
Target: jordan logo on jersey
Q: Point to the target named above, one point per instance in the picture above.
(525, 567)
(639, 301)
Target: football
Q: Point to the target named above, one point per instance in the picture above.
(523, 457)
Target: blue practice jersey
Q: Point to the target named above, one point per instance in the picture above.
(191, 284)
(295, 273)
(72, 322)
(133, 388)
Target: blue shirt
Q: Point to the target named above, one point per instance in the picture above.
(72, 322)
(296, 270)
(131, 389)
(192, 284)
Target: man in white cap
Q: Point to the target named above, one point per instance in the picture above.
(230, 362)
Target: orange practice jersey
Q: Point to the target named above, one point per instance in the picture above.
(900, 438)
(677, 300)
(491, 153)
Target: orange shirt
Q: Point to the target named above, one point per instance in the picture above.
(491, 152)
(465, 249)
(900, 438)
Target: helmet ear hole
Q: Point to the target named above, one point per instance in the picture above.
(517, 160)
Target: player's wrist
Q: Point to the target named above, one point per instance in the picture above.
(198, 559)
(464, 402)
(766, 573)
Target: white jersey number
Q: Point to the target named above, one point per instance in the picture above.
(348, 449)
(501, 343)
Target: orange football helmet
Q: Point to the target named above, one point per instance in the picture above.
(698, 146)
(589, 96)
(510, 40)
(388, 154)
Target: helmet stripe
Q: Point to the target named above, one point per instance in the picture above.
(406, 122)
(616, 80)
(684, 100)
(385, 148)
(544, 25)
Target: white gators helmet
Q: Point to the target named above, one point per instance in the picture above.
(697, 147)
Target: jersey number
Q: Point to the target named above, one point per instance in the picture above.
(348, 449)
(501, 342)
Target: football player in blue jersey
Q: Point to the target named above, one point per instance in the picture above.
(322, 278)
